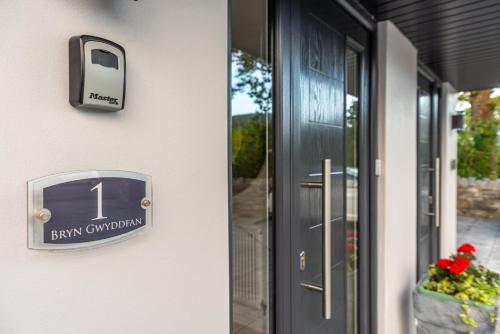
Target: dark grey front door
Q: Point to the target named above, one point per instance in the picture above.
(320, 33)
(428, 175)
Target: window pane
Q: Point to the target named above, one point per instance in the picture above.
(251, 110)
(352, 164)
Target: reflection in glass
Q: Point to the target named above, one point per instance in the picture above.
(425, 180)
(352, 164)
(251, 107)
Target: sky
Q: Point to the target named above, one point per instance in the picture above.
(241, 104)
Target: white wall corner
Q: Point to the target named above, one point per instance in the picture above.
(397, 211)
(448, 233)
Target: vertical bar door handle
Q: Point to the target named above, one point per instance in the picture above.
(437, 200)
(327, 242)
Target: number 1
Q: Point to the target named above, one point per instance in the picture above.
(99, 201)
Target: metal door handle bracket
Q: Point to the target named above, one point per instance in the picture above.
(313, 287)
(311, 184)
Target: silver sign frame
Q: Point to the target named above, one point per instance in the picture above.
(35, 203)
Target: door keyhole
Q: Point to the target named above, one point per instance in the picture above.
(302, 260)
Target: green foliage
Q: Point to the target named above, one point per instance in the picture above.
(352, 133)
(249, 146)
(477, 143)
(476, 285)
(468, 320)
(252, 77)
(475, 148)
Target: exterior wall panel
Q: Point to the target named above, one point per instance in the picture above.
(397, 118)
(449, 171)
(175, 278)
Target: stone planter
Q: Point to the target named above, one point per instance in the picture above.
(438, 313)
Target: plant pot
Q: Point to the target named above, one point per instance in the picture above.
(438, 313)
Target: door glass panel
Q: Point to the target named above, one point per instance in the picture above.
(352, 164)
(425, 177)
(251, 108)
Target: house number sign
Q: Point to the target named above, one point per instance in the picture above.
(86, 209)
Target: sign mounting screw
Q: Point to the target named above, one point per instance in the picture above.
(43, 215)
(145, 203)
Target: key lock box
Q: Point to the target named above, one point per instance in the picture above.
(97, 73)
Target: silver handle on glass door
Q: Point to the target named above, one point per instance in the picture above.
(437, 192)
(327, 242)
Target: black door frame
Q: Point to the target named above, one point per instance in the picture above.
(281, 29)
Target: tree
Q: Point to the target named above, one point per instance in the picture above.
(478, 146)
(253, 78)
(481, 105)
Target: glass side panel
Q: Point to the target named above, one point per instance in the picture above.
(251, 111)
(352, 164)
(425, 181)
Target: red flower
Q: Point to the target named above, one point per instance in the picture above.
(457, 269)
(462, 261)
(351, 247)
(466, 249)
(459, 265)
(444, 263)
(351, 234)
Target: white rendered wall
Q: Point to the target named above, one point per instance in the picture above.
(173, 279)
(396, 229)
(448, 172)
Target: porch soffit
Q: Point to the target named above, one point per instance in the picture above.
(459, 40)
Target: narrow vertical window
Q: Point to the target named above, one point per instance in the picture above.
(352, 188)
(251, 111)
